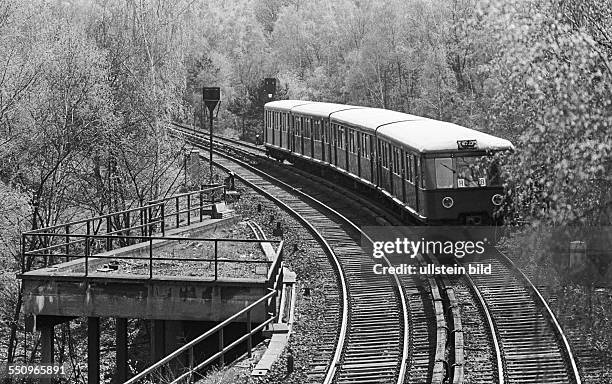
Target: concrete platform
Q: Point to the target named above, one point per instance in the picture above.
(60, 291)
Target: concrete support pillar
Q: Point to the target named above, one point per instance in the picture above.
(158, 342)
(121, 343)
(46, 339)
(93, 350)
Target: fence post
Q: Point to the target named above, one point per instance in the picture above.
(67, 241)
(23, 248)
(189, 209)
(191, 364)
(178, 209)
(151, 221)
(222, 358)
(86, 254)
(163, 219)
(109, 242)
(201, 205)
(150, 257)
(216, 260)
(250, 338)
(126, 219)
(142, 223)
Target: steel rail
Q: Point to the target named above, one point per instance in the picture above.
(557, 327)
(491, 326)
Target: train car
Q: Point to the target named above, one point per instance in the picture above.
(435, 172)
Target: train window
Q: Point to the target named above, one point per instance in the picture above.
(284, 122)
(445, 173)
(396, 160)
(419, 175)
(365, 149)
(409, 167)
(316, 129)
(477, 171)
(325, 132)
(384, 154)
(306, 125)
(351, 141)
(340, 136)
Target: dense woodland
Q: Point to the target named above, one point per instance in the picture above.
(88, 87)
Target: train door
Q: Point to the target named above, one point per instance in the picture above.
(280, 129)
(324, 140)
(300, 131)
(335, 146)
(351, 151)
(403, 173)
(359, 139)
(292, 133)
(330, 142)
(365, 164)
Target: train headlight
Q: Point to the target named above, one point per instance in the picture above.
(448, 202)
(497, 199)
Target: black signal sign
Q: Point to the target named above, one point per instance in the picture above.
(270, 86)
(211, 96)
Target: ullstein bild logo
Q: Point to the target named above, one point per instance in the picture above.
(412, 248)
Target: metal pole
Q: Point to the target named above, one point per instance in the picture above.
(23, 250)
(222, 359)
(216, 260)
(250, 338)
(67, 242)
(163, 218)
(211, 148)
(150, 258)
(86, 254)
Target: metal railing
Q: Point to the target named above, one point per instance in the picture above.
(47, 246)
(182, 365)
(211, 246)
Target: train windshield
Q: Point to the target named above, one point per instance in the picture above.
(467, 172)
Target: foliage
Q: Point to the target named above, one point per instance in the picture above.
(552, 87)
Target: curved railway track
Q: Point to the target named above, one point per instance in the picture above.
(371, 345)
(529, 344)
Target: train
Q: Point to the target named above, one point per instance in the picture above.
(435, 172)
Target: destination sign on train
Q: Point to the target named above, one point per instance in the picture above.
(466, 144)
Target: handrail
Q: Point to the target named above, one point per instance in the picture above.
(199, 339)
(87, 239)
(91, 219)
(150, 204)
(144, 220)
(270, 309)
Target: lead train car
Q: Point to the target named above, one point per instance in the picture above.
(437, 172)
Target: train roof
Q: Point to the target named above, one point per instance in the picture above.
(371, 118)
(323, 109)
(286, 104)
(428, 135)
(420, 133)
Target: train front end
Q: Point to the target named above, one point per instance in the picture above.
(463, 188)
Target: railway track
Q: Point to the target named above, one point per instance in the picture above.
(372, 343)
(529, 344)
